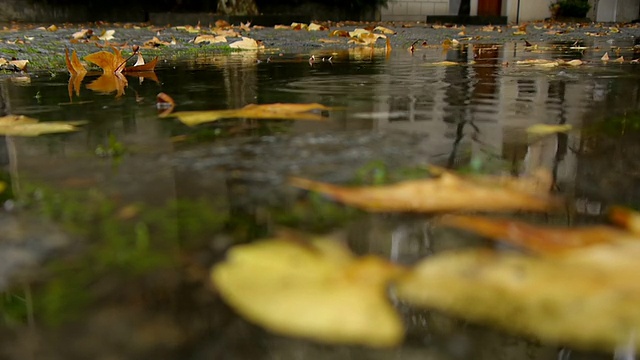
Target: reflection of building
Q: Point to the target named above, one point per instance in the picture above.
(513, 10)
(480, 107)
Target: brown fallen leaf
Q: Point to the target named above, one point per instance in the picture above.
(253, 111)
(541, 240)
(314, 289)
(447, 192)
(247, 44)
(210, 39)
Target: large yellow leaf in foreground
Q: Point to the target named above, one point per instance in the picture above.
(316, 290)
(253, 111)
(20, 125)
(586, 299)
(448, 192)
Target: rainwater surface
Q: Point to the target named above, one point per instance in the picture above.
(111, 231)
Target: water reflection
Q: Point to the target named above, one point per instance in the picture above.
(152, 219)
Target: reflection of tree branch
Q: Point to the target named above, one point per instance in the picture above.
(456, 143)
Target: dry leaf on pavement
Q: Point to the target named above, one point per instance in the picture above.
(247, 44)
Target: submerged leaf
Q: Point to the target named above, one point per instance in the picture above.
(316, 289)
(253, 111)
(448, 192)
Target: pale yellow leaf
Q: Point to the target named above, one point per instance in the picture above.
(586, 298)
(316, 27)
(20, 125)
(107, 35)
(605, 57)
(313, 289)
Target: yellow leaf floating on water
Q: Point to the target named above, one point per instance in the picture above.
(448, 192)
(538, 62)
(20, 125)
(313, 289)
(586, 298)
(275, 111)
(545, 129)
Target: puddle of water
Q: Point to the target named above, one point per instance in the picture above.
(150, 204)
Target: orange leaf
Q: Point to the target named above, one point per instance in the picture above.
(110, 63)
(108, 83)
(73, 64)
(74, 84)
(541, 240)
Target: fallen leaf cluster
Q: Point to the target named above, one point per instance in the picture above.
(580, 288)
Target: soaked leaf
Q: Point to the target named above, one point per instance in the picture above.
(280, 111)
(314, 289)
(541, 240)
(447, 192)
(586, 298)
(546, 129)
(20, 125)
(444, 63)
(605, 57)
(247, 44)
